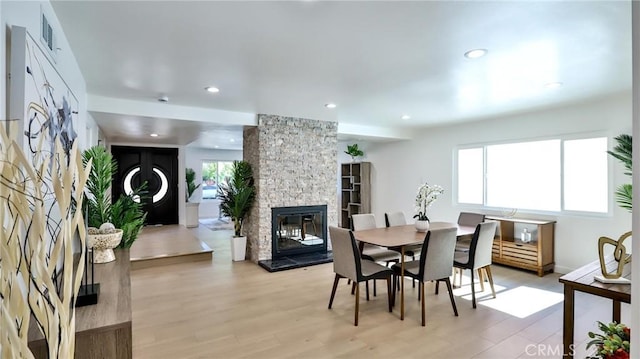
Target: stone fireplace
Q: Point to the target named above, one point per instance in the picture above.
(295, 164)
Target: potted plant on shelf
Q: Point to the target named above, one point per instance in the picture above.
(125, 215)
(192, 207)
(354, 151)
(427, 194)
(236, 198)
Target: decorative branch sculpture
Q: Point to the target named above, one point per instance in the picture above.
(37, 249)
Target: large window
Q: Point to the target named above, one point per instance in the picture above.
(214, 173)
(549, 175)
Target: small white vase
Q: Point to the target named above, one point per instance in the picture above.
(422, 226)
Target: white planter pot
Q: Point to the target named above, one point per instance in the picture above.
(422, 226)
(192, 214)
(238, 248)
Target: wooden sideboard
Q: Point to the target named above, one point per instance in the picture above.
(103, 330)
(536, 255)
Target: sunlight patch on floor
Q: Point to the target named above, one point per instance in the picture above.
(523, 301)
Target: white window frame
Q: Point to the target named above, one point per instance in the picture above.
(562, 211)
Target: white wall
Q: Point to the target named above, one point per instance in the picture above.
(194, 158)
(399, 167)
(27, 14)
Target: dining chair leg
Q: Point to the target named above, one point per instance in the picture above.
(454, 275)
(481, 278)
(367, 288)
(395, 280)
(473, 290)
(437, 286)
(355, 321)
(333, 291)
(490, 277)
(353, 288)
(389, 293)
(421, 285)
(374, 287)
(453, 300)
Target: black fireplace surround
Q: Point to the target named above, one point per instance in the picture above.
(298, 237)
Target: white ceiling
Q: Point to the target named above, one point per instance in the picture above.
(376, 60)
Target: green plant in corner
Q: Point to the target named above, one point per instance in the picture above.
(191, 182)
(622, 152)
(354, 151)
(237, 195)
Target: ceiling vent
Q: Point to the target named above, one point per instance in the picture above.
(47, 36)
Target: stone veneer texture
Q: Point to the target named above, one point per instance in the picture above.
(295, 164)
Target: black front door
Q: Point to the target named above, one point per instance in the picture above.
(159, 168)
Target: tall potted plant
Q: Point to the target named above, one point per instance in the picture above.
(192, 207)
(236, 198)
(126, 212)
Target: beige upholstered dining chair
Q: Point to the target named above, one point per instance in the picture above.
(348, 264)
(372, 252)
(479, 256)
(468, 219)
(436, 262)
(398, 219)
(369, 251)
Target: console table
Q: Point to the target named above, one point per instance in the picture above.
(582, 280)
(536, 255)
(103, 330)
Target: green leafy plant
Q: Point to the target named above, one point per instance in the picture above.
(126, 212)
(622, 152)
(614, 343)
(354, 151)
(99, 185)
(191, 182)
(237, 195)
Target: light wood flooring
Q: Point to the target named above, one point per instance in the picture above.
(225, 309)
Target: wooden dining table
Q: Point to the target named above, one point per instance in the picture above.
(401, 236)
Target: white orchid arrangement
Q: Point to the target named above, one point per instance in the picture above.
(427, 194)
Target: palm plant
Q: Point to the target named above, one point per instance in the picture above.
(98, 184)
(191, 182)
(238, 194)
(622, 152)
(125, 213)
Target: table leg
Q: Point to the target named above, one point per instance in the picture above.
(616, 311)
(402, 283)
(567, 328)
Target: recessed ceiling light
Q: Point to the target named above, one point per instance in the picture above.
(330, 105)
(405, 117)
(475, 53)
(553, 85)
(216, 146)
(232, 140)
(154, 135)
(212, 89)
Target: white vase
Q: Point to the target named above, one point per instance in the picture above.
(192, 214)
(422, 226)
(238, 248)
